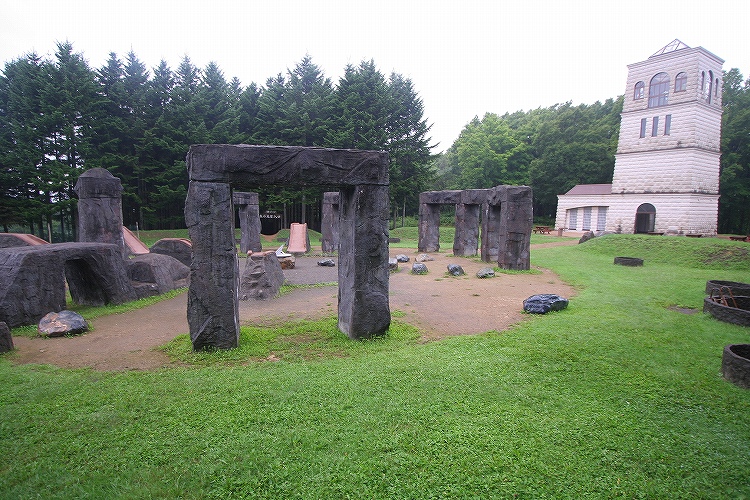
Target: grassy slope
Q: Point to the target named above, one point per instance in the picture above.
(615, 396)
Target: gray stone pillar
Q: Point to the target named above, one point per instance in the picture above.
(490, 232)
(100, 208)
(212, 308)
(249, 212)
(516, 220)
(468, 210)
(364, 311)
(329, 241)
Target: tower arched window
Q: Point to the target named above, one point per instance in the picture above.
(680, 82)
(710, 86)
(658, 90)
(640, 91)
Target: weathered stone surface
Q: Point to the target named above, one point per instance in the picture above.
(544, 303)
(262, 276)
(362, 176)
(326, 263)
(419, 268)
(329, 241)
(286, 165)
(402, 258)
(424, 258)
(456, 270)
(10, 240)
(512, 213)
(486, 272)
(65, 322)
(154, 274)
(100, 208)
(364, 311)
(6, 339)
(179, 248)
(212, 308)
(32, 279)
(249, 214)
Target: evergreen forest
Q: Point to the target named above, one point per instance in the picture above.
(60, 117)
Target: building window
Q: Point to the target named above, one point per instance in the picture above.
(643, 128)
(703, 81)
(667, 124)
(716, 88)
(640, 91)
(573, 219)
(655, 127)
(601, 219)
(680, 82)
(710, 86)
(658, 90)
(586, 219)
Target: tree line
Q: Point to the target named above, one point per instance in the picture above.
(60, 117)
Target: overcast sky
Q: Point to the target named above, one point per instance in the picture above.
(465, 58)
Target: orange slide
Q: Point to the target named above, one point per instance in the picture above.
(297, 238)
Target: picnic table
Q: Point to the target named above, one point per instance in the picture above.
(542, 229)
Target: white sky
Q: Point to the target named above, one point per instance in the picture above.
(465, 58)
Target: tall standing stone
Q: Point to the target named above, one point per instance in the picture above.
(100, 208)
(249, 213)
(330, 224)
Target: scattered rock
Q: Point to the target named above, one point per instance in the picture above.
(63, 323)
(262, 277)
(424, 258)
(586, 237)
(326, 263)
(392, 265)
(6, 339)
(486, 272)
(455, 270)
(419, 268)
(287, 262)
(179, 248)
(544, 303)
(402, 258)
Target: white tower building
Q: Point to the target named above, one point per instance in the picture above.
(666, 177)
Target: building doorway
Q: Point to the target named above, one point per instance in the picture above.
(645, 217)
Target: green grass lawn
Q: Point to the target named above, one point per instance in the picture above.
(620, 395)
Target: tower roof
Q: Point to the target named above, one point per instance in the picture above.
(670, 47)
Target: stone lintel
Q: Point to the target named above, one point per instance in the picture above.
(246, 165)
(474, 196)
(245, 198)
(447, 197)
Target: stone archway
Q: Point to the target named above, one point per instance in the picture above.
(645, 218)
(215, 170)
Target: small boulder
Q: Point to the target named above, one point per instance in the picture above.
(287, 262)
(402, 258)
(486, 272)
(392, 265)
(544, 303)
(61, 324)
(424, 258)
(6, 339)
(419, 268)
(326, 263)
(262, 277)
(586, 237)
(455, 270)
